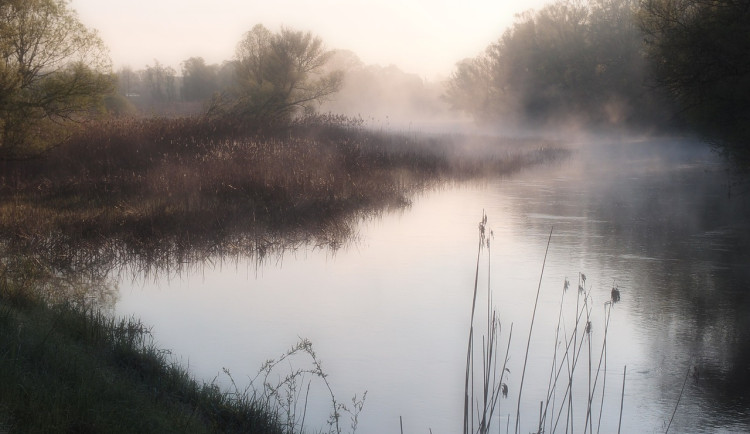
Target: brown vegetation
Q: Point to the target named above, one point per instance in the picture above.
(187, 183)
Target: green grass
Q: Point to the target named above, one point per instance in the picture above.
(68, 369)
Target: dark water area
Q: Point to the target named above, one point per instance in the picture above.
(676, 219)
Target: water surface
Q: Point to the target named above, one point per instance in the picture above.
(388, 312)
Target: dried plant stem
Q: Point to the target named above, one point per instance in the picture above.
(554, 372)
(571, 361)
(479, 409)
(528, 342)
(304, 412)
(564, 363)
(603, 356)
(622, 397)
(687, 372)
(470, 347)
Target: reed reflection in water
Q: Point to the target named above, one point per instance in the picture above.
(389, 312)
(386, 303)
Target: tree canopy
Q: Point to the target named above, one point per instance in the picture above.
(52, 69)
(278, 75)
(700, 54)
(160, 82)
(199, 81)
(637, 63)
(568, 61)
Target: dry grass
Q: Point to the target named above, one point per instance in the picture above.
(172, 188)
(574, 363)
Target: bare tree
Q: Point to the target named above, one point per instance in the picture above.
(278, 75)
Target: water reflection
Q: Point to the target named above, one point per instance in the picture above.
(388, 312)
(34, 266)
(87, 270)
(663, 218)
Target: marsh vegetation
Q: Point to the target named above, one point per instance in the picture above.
(487, 371)
(161, 195)
(110, 181)
(203, 185)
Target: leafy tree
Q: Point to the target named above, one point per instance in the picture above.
(568, 61)
(700, 54)
(225, 76)
(620, 71)
(52, 70)
(199, 81)
(277, 75)
(471, 89)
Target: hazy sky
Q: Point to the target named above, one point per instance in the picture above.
(426, 37)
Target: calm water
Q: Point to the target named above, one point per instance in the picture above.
(389, 311)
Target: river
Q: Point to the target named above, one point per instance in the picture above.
(388, 312)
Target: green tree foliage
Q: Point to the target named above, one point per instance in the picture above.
(568, 61)
(277, 75)
(117, 105)
(52, 70)
(700, 53)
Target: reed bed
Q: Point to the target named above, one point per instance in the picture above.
(161, 194)
(170, 191)
(574, 363)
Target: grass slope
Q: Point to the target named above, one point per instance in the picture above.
(68, 369)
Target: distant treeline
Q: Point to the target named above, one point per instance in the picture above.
(381, 95)
(632, 63)
(55, 73)
(273, 78)
(646, 64)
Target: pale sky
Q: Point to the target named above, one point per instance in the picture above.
(419, 36)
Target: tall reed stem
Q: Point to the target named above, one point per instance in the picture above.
(678, 400)
(470, 346)
(528, 342)
(622, 397)
(603, 356)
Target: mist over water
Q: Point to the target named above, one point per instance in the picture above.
(284, 192)
(385, 294)
(388, 311)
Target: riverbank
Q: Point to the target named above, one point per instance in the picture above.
(70, 368)
(160, 193)
(142, 176)
(173, 190)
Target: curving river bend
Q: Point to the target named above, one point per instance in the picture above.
(388, 312)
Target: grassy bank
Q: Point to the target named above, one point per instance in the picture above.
(68, 369)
